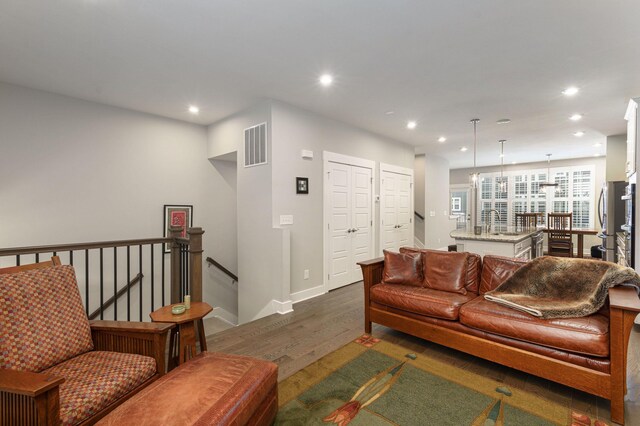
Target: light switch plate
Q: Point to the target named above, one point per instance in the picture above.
(432, 213)
(286, 219)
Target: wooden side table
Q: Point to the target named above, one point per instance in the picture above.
(182, 342)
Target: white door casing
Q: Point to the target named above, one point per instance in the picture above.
(348, 211)
(396, 207)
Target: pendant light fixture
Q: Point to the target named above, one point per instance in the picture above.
(474, 177)
(503, 184)
(548, 183)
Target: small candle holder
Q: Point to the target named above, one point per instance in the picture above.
(187, 301)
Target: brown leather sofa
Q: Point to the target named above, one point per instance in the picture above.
(438, 296)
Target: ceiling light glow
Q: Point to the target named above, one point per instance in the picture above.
(504, 121)
(389, 112)
(579, 134)
(194, 109)
(570, 91)
(575, 117)
(326, 80)
(514, 162)
(411, 124)
(442, 139)
(597, 145)
(463, 149)
(596, 155)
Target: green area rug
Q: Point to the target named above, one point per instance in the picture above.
(372, 382)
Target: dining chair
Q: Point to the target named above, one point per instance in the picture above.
(527, 220)
(560, 234)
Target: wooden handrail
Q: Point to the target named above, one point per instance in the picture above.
(223, 269)
(419, 215)
(13, 251)
(120, 293)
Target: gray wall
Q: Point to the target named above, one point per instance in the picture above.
(255, 256)
(436, 203)
(418, 194)
(77, 171)
(616, 158)
(295, 129)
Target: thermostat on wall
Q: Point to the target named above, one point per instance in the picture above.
(306, 154)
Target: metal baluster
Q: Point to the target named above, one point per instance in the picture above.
(115, 283)
(71, 257)
(17, 260)
(37, 257)
(101, 284)
(163, 272)
(140, 271)
(152, 279)
(86, 278)
(128, 281)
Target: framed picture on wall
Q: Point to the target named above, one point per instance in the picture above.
(177, 215)
(302, 185)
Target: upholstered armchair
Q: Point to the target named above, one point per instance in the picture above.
(57, 367)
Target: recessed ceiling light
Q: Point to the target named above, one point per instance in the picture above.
(411, 124)
(504, 121)
(570, 91)
(597, 145)
(389, 112)
(442, 139)
(575, 117)
(596, 155)
(579, 134)
(514, 162)
(326, 80)
(463, 149)
(194, 109)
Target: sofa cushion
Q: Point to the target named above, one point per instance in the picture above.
(95, 380)
(42, 319)
(211, 389)
(586, 335)
(496, 270)
(402, 268)
(474, 272)
(442, 270)
(420, 300)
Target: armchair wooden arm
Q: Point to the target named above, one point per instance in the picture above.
(143, 338)
(29, 398)
(371, 274)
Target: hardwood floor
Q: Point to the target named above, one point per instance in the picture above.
(321, 325)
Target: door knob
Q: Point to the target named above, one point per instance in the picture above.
(348, 231)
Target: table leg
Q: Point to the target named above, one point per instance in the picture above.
(580, 245)
(187, 342)
(173, 348)
(202, 337)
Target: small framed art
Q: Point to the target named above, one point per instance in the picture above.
(177, 215)
(302, 185)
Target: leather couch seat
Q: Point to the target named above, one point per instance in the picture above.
(586, 335)
(420, 300)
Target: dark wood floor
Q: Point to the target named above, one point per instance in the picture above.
(321, 325)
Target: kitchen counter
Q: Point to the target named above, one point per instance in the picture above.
(502, 242)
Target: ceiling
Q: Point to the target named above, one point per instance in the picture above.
(440, 63)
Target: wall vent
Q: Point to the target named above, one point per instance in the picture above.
(255, 145)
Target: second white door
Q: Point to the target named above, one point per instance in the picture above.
(350, 222)
(396, 197)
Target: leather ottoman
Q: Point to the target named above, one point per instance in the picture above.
(211, 389)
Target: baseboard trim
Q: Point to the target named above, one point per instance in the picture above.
(282, 307)
(309, 293)
(223, 315)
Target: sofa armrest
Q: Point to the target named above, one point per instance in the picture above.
(30, 398)
(142, 338)
(625, 298)
(27, 383)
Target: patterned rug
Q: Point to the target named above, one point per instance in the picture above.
(372, 382)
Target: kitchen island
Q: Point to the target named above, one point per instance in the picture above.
(508, 242)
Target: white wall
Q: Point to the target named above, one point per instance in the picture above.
(77, 171)
(293, 130)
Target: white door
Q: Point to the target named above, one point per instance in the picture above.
(350, 222)
(395, 208)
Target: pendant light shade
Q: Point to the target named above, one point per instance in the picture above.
(548, 185)
(475, 176)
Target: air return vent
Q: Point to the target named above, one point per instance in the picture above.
(255, 145)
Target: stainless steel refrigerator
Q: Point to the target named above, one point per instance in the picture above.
(611, 216)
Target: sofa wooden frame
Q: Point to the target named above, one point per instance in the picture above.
(624, 306)
(28, 398)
